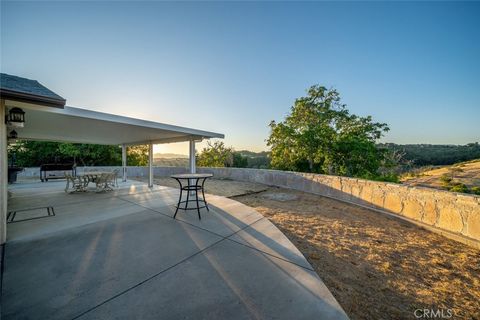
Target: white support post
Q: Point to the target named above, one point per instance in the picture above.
(124, 163)
(150, 165)
(3, 174)
(192, 162)
(193, 166)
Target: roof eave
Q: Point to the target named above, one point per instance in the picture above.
(32, 98)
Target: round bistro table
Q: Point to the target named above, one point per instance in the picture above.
(192, 182)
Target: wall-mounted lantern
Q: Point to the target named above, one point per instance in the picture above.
(13, 135)
(15, 118)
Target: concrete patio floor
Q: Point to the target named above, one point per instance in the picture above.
(121, 255)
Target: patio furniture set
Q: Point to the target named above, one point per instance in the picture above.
(104, 181)
(192, 184)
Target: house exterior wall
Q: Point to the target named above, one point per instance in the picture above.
(3, 174)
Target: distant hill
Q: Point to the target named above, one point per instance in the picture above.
(172, 162)
(169, 156)
(418, 155)
(436, 154)
(253, 159)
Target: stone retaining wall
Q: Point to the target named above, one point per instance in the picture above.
(458, 214)
(455, 213)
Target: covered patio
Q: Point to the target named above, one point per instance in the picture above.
(47, 118)
(121, 255)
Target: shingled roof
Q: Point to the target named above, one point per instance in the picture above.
(30, 91)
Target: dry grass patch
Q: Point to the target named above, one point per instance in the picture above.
(376, 266)
(467, 173)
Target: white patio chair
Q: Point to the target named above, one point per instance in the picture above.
(78, 183)
(105, 182)
(116, 172)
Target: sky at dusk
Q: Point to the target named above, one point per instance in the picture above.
(234, 67)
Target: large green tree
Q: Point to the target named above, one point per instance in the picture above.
(215, 155)
(137, 155)
(218, 155)
(320, 135)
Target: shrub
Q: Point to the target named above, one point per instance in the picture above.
(475, 190)
(445, 179)
(459, 187)
(390, 177)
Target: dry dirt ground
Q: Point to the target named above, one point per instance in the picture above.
(376, 266)
(467, 173)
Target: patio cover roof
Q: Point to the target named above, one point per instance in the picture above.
(47, 118)
(85, 126)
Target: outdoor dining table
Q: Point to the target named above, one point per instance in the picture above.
(92, 176)
(192, 182)
(104, 181)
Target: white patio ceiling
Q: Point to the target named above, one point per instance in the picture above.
(86, 126)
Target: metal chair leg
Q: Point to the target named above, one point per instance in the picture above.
(179, 198)
(178, 204)
(203, 195)
(50, 211)
(188, 197)
(198, 205)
